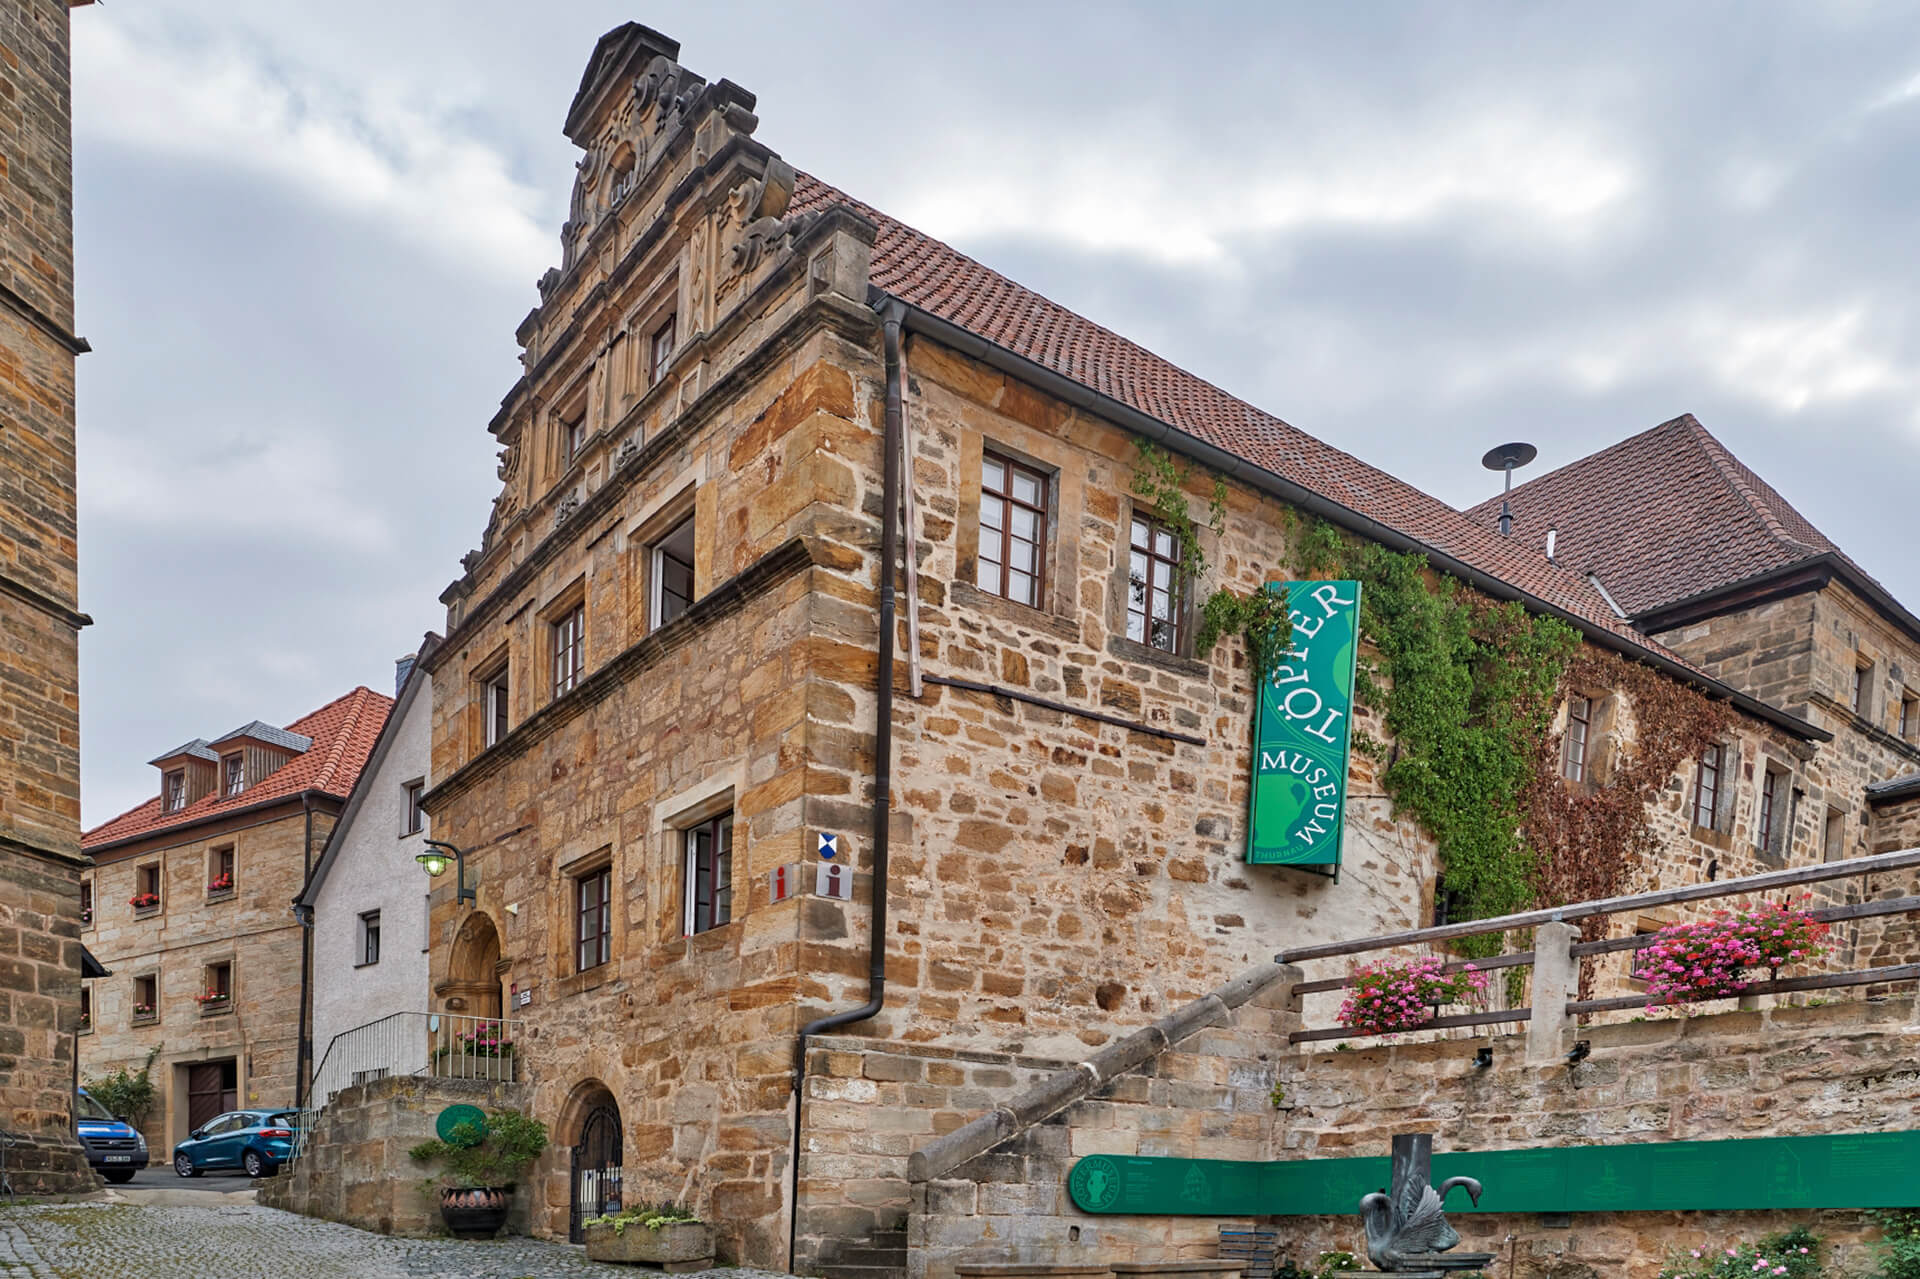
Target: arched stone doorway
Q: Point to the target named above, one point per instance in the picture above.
(472, 987)
(594, 1171)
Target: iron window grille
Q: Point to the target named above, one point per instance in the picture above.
(1156, 607)
(1013, 530)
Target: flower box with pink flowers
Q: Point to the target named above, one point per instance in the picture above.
(1389, 999)
(1719, 957)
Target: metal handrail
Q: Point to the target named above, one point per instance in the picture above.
(1610, 905)
(1761, 883)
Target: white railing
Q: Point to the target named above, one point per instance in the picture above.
(439, 1045)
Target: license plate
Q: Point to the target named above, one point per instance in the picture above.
(119, 1159)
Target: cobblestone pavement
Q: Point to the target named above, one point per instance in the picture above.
(247, 1241)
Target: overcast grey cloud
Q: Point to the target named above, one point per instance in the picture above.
(305, 234)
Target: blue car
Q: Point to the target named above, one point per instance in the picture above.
(257, 1141)
(115, 1148)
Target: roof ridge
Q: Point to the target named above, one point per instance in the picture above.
(1729, 468)
(338, 750)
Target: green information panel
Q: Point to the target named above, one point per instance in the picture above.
(1863, 1170)
(1302, 731)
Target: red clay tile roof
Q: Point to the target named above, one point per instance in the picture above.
(1663, 516)
(343, 733)
(938, 279)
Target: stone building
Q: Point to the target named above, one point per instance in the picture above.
(658, 706)
(40, 857)
(366, 897)
(187, 906)
(1706, 557)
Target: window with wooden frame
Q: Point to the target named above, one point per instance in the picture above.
(86, 903)
(233, 774)
(1013, 530)
(220, 868)
(568, 635)
(1640, 962)
(1573, 743)
(573, 432)
(146, 999)
(146, 890)
(86, 1008)
(216, 992)
(592, 919)
(660, 351)
(709, 873)
(670, 570)
(173, 791)
(369, 930)
(414, 817)
(1860, 697)
(494, 705)
(1772, 820)
(1708, 777)
(1833, 836)
(1156, 592)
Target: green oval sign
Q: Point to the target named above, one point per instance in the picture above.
(453, 1116)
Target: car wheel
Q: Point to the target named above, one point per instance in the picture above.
(184, 1166)
(255, 1165)
(119, 1176)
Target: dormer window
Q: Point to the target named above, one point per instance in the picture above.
(233, 774)
(173, 791)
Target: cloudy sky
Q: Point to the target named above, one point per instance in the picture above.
(305, 234)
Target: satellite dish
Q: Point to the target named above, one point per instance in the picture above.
(1507, 456)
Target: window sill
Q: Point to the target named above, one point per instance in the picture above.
(368, 963)
(582, 982)
(151, 1019)
(1131, 650)
(145, 912)
(968, 595)
(84, 1030)
(1707, 835)
(220, 894)
(216, 1010)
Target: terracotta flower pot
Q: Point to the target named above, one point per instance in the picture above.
(675, 1247)
(475, 1212)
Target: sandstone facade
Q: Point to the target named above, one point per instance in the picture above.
(40, 858)
(1065, 835)
(251, 1040)
(1783, 1072)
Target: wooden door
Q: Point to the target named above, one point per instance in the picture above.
(212, 1089)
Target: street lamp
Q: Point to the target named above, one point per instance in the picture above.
(435, 863)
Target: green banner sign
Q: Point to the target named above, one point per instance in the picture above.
(1852, 1170)
(1302, 730)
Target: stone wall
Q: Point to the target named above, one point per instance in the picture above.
(1780, 1072)
(354, 1166)
(249, 927)
(39, 623)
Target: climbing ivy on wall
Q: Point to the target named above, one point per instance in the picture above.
(1467, 697)
(1596, 838)
(1260, 617)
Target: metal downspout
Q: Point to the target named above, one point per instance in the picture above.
(303, 1049)
(890, 319)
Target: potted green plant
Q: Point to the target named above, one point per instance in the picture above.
(479, 1166)
(665, 1235)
